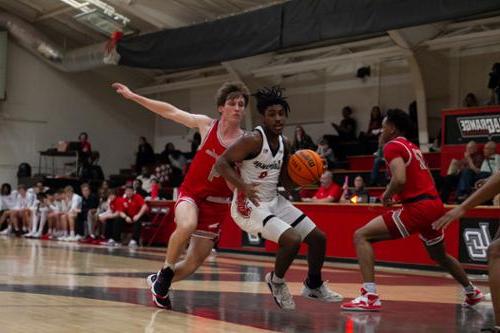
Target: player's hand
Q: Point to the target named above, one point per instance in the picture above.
(251, 193)
(123, 90)
(135, 218)
(387, 200)
(128, 220)
(447, 218)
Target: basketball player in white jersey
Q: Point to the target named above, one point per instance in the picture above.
(257, 207)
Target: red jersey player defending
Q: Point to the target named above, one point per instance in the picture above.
(414, 187)
(204, 197)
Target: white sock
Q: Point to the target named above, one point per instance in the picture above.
(469, 289)
(370, 287)
(72, 233)
(276, 279)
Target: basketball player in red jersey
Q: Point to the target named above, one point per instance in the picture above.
(204, 196)
(411, 184)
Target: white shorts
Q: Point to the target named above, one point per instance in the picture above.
(270, 219)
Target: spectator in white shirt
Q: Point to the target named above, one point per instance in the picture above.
(21, 210)
(7, 202)
(72, 205)
(146, 178)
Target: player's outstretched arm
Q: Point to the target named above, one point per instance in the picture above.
(246, 147)
(487, 191)
(166, 110)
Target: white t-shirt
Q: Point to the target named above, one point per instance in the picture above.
(8, 201)
(146, 182)
(76, 203)
(491, 164)
(26, 201)
(264, 169)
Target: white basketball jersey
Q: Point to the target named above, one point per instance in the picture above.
(264, 169)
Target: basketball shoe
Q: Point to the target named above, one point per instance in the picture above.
(366, 302)
(280, 292)
(473, 298)
(160, 285)
(322, 293)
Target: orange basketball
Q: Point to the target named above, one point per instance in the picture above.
(305, 167)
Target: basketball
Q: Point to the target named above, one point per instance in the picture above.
(305, 167)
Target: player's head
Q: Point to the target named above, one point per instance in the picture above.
(129, 191)
(396, 123)
(232, 99)
(274, 108)
(85, 189)
(6, 189)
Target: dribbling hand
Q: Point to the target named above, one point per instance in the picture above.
(251, 193)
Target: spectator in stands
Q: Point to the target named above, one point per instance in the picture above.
(7, 202)
(329, 191)
(137, 185)
(326, 152)
(470, 101)
(302, 140)
(39, 212)
(72, 206)
(56, 209)
(85, 222)
(467, 176)
(20, 215)
(145, 155)
(347, 128)
(113, 208)
(374, 126)
(358, 195)
(494, 84)
(378, 161)
(134, 209)
(346, 133)
(491, 161)
(146, 177)
(195, 143)
(472, 160)
(84, 153)
(173, 157)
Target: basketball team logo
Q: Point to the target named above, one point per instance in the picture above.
(477, 241)
(242, 205)
(475, 238)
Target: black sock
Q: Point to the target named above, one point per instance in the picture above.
(314, 281)
(164, 281)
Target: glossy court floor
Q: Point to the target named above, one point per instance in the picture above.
(60, 287)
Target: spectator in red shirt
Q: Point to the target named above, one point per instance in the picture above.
(329, 191)
(134, 209)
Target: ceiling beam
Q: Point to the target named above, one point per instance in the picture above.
(315, 64)
(54, 13)
(186, 84)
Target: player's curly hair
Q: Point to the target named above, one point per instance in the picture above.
(401, 120)
(267, 97)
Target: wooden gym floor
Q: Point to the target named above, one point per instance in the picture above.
(65, 287)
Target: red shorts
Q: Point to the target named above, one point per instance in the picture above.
(212, 211)
(416, 217)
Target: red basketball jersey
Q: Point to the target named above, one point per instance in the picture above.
(418, 177)
(202, 180)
